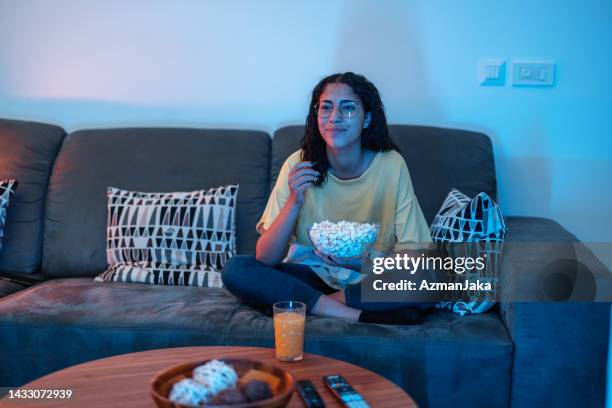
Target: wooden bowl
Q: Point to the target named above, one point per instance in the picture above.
(162, 383)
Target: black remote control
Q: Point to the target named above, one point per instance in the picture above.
(344, 392)
(309, 394)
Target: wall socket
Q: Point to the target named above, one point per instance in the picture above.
(527, 73)
(492, 72)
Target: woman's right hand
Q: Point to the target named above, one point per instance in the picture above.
(272, 244)
(301, 177)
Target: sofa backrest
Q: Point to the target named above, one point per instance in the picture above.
(438, 160)
(150, 160)
(27, 153)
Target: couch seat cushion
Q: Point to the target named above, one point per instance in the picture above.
(448, 358)
(83, 302)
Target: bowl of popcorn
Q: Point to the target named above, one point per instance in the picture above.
(223, 383)
(343, 240)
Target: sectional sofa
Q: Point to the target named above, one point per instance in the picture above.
(519, 354)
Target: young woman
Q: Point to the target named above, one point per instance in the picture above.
(350, 169)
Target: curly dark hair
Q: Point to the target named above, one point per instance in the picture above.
(375, 137)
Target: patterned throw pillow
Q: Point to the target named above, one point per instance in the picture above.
(7, 189)
(480, 222)
(170, 238)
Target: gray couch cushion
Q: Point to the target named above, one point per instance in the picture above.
(150, 160)
(27, 153)
(446, 359)
(438, 159)
(69, 321)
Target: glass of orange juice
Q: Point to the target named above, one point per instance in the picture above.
(289, 319)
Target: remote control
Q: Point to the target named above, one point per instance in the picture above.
(309, 394)
(344, 392)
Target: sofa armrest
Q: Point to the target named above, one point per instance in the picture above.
(8, 287)
(560, 347)
(13, 282)
(25, 280)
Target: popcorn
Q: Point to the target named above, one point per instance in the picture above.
(190, 392)
(344, 239)
(216, 375)
(208, 380)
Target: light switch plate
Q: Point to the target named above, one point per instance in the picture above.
(492, 72)
(528, 73)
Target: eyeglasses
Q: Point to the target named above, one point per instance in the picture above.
(347, 109)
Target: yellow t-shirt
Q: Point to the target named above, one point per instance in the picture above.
(382, 194)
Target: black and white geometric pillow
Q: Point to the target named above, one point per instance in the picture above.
(464, 219)
(161, 274)
(181, 238)
(7, 189)
(479, 222)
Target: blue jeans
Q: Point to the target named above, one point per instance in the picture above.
(260, 285)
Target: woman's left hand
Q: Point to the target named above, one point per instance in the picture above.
(354, 264)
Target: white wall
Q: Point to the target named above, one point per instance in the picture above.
(252, 64)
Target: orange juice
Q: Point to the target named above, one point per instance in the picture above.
(289, 335)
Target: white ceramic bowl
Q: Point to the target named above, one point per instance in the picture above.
(363, 248)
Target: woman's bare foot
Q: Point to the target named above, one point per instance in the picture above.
(327, 305)
(339, 296)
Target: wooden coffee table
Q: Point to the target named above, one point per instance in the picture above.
(125, 380)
